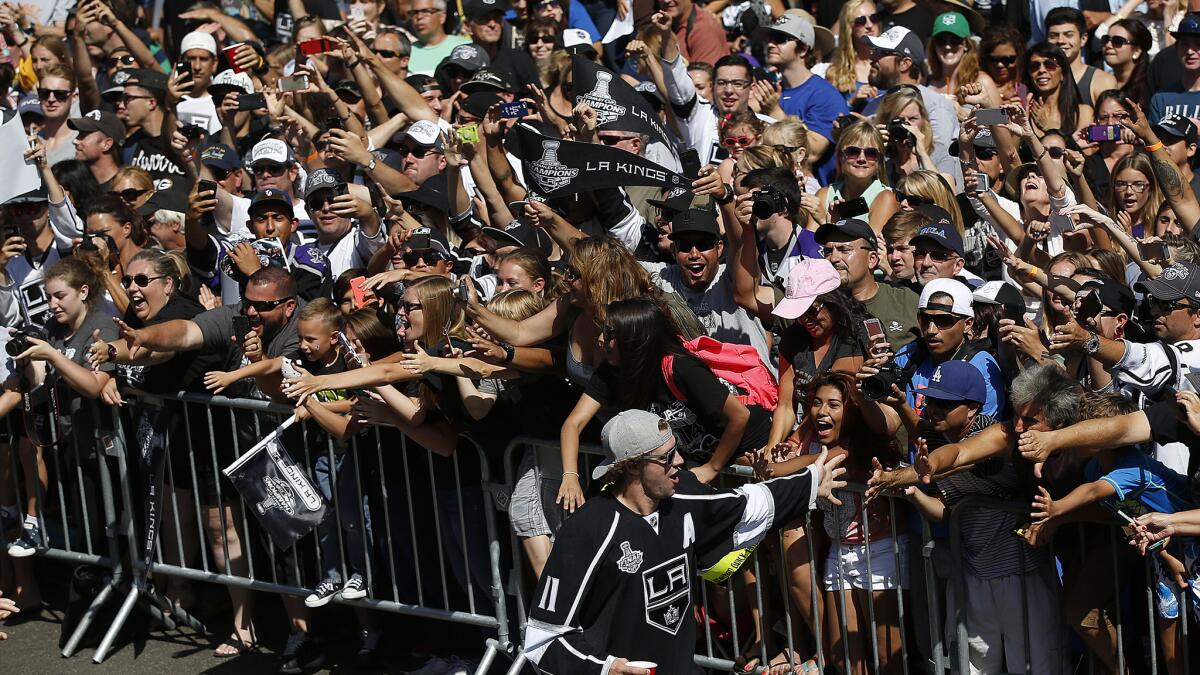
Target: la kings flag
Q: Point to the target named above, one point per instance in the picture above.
(557, 167)
(277, 490)
(618, 106)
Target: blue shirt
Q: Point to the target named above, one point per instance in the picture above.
(993, 380)
(1168, 102)
(817, 103)
(1143, 485)
(577, 17)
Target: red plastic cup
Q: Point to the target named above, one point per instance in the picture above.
(648, 665)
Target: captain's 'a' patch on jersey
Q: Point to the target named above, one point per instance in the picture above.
(667, 589)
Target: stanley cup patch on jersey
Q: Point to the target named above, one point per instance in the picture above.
(630, 561)
(668, 593)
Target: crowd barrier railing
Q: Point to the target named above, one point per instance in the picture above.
(432, 548)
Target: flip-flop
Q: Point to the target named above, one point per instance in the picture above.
(236, 644)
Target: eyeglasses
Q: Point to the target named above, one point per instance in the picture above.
(129, 194)
(1137, 186)
(56, 94)
(844, 249)
(1006, 61)
(813, 311)
(613, 139)
(985, 153)
(126, 98)
(263, 306)
(913, 200)
(938, 254)
(349, 96)
(666, 459)
(389, 54)
(427, 11)
(141, 280)
(688, 242)
(122, 60)
(542, 40)
(854, 152)
(738, 141)
(321, 145)
(1167, 306)
(430, 256)
(863, 20)
(410, 307)
(942, 321)
(1115, 40)
(1055, 152)
(948, 39)
(1113, 118)
(269, 168)
(571, 275)
(736, 84)
(1037, 64)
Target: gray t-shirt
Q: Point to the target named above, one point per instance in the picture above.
(216, 325)
(723, 319)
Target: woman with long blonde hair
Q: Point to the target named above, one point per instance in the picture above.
(790, 135)
(954, 60)
(850, 65)
(860, 165)
(928, 187)
(913, 150)
(1135, 197)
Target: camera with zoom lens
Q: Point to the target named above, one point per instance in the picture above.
(768, 202)
(879, 386)
(898, 133)
(19, 341)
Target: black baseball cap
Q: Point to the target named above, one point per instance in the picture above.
(1172, 127)
(853, 228)
(1180, 280)
(490, 79)
(518, 233)
(103, 121)
(701, 220)
(674, 201)
(220, 156)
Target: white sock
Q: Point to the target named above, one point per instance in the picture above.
(31, 521)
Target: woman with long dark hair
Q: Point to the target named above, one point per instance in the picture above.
(838, 417)
(1127, 52)
(1054, 101)
(1002, 48)
(647, 367)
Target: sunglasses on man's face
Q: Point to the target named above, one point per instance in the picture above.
(56, 94)
(269, 168)
(389, 54)
(430, 257)
(942, 321)
(263, 306)
(123, 60)
(985, 153)
(935, 253)
(665, 459)
(702, 243)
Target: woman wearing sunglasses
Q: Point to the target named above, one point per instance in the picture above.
(1002, 47)
(955, 60)
(860, 164)
(851, 62)
(1127, 52)
(1054, 100)
(928, 187)
(539, 43)
(133, 185)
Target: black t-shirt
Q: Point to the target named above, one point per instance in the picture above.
(1167, 426)
(78, 416)
(517, 63)
(186, 369)
(154, 155)
(1164, 70)
(797, 348)
(919, 20)
(698, 421)
(285, 23)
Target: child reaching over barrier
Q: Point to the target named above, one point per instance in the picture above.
(1134, 485)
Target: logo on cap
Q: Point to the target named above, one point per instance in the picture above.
(464, 52)
(948, 20)
(93, 115)
(1174, 272)
(937, 375)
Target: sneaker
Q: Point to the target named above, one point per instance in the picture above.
(301, 654)
(459, 667)
(436, 665)
(322, 594)
(1168, 604)
(28, 543)
(355, 587)
(368, 643)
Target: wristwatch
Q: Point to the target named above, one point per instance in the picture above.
(509, 352)
(1092, 344)
(728, 196)
(370, 165)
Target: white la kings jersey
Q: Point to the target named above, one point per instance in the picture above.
(1153, 367)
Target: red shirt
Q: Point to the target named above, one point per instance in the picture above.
(705, 41)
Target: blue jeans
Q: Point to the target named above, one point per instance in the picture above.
(342, 473)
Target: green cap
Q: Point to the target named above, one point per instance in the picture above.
(953, 23)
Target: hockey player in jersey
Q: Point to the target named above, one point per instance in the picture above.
(1155, 367)
(618, 585)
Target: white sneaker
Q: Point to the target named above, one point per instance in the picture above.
(436, 665)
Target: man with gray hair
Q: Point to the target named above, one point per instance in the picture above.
(615, 596)
(428, 18)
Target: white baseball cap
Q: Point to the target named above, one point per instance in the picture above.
(962, 301)
(198, 40)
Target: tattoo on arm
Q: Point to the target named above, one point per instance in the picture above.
(1168, 176)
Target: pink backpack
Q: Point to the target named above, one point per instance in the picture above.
(735, 364)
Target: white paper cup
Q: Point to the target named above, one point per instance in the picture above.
(648, 665)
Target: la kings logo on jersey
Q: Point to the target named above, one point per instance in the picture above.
(549, 173)
(668, 592)
(600, 100)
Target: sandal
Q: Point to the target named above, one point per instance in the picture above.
(779, 665)
(233, 646)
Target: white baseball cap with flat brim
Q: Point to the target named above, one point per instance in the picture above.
(630, 434)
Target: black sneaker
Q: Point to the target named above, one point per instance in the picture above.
(28, 543)
(322, 594)
(302, 654)
(355, 587)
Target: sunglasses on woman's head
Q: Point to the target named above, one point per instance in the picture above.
(141, 280)
(738, 141)
(1006, 61)
(861, 21)
(854, 152)
(947, 38)
(1037, 64)
(542, 40)
(1115, 40)
(913, 200)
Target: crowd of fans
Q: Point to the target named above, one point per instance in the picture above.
(954, 242)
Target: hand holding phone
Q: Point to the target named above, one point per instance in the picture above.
(241, 328)
(991, 116)
(206, 186)
(1152, 250)
(514, 110)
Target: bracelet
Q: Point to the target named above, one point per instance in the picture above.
(354, 65)
(510, 352)
(1154, 148)
(570, 473)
